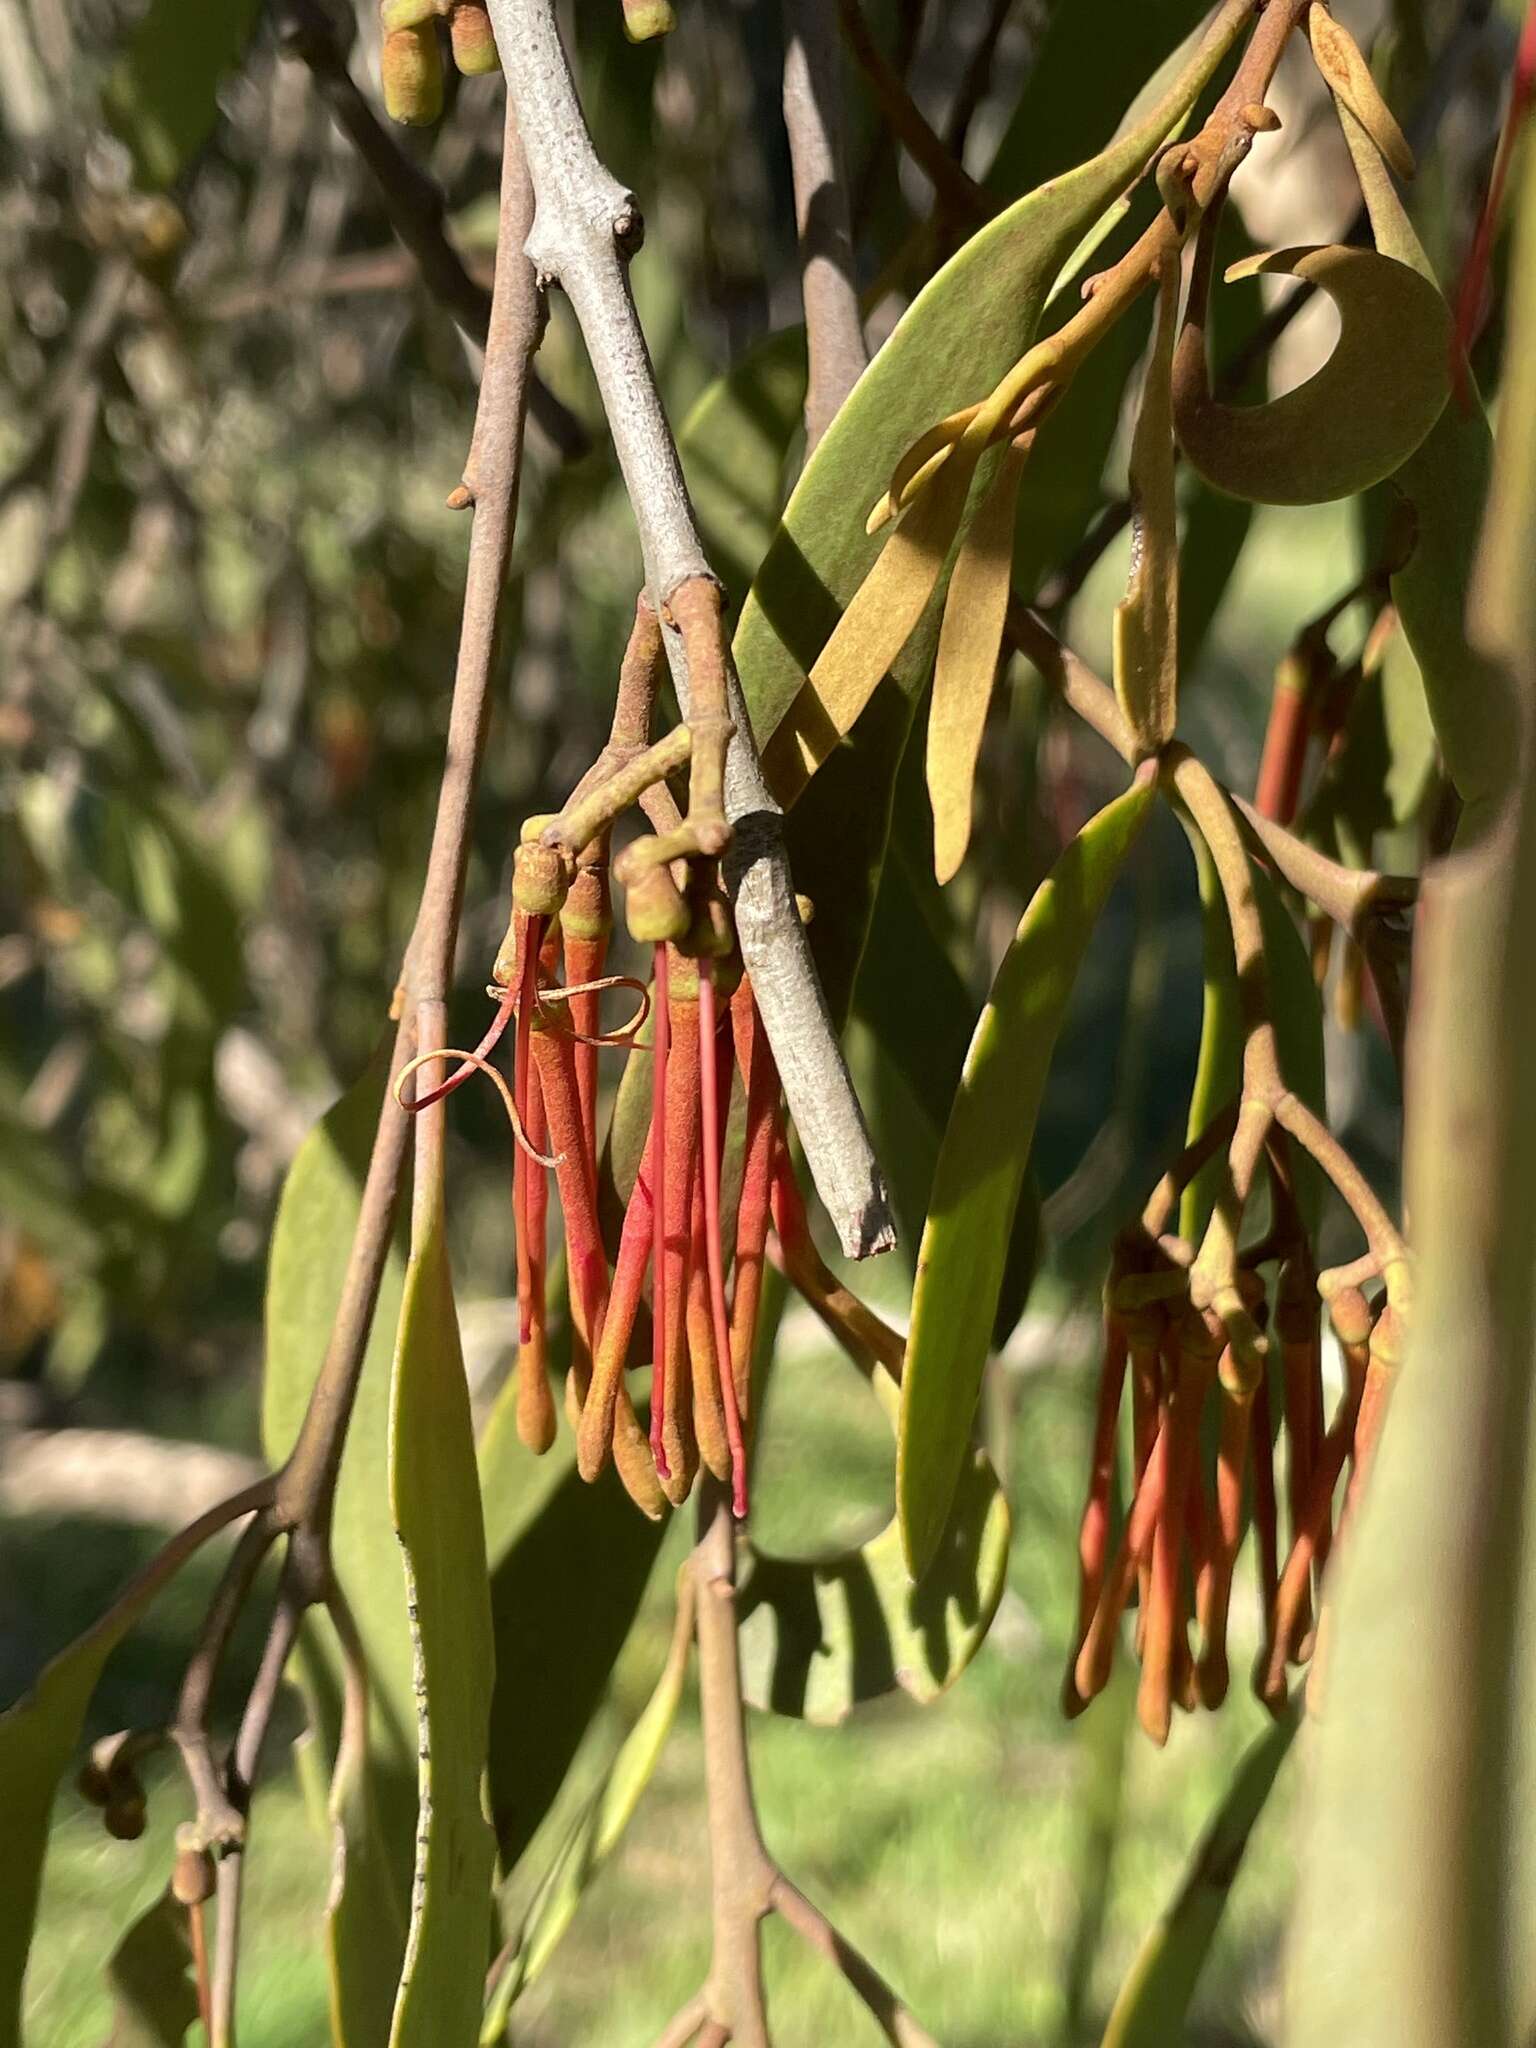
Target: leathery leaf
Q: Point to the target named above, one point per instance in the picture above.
(967, 327)
(1154, 2000)
(435, 1499)
(820, 1636)
(1349, 425)
(373, 1803)
(596, 1830)
(967, 662)
(1147, 618)
(981, 1168)
(1446, 482)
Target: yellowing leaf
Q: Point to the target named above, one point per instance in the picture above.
(873, 630)
(1349, 79)
(1147, 620)
(1352, 424)
(967, 662)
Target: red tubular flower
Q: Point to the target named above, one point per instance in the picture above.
(660, 1060)
(710, 1072)
(681, 1123)
(526, 981)
(754, 1060)
(535, 1403)
(1093, 1532)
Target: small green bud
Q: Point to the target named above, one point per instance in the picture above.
(646, 19)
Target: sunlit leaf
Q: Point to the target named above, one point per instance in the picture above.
(1347, 427)
(958, 338)
(981, 1169)
(1147, 619)
(311, 1241)
(818, 1637)
(1152, 2008)
(435, 1499)
(1349, 79)
(966, 667)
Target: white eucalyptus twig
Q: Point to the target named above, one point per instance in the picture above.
(586, 227)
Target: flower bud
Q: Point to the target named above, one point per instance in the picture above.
(646, 19)
(412, 71)
(473, 39)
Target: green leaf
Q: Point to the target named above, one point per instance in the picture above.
(154, 1999)
(981, 1169)
(1419, 1799)
(162, 95)
(571, 1581)
(38, 1737)
(820, 1636)
(1446, 483)
(1347, 427)
(734, 445)
(375, 1810)
(967, 327)
(1153, 2006)
(435, 1499)
(1146, 632)
(596, 1830)
(1077, 80)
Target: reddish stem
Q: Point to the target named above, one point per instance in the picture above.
(1284, 759)
(535, 1406)
(527, 983)
(660, 1306)
(635, 1244)
(709, 1107)
(1093, 1534)
(487, 1045)
(1095, 1657)
(1474, 276)
(681, 1123)
(760, 1078)
(577, 1181)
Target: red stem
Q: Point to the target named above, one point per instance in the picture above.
(660, 1306)
(709, 1107)
(754, 1060)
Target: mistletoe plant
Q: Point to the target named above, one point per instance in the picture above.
(897, 562)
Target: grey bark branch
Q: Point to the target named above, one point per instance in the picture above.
(585, 228)
(813, 119)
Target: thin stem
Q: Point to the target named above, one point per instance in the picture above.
(813, 1926)
(957, 192)
(596, 808)
(413, 204)
(585, 228)
(813, 118)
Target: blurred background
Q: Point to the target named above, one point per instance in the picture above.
(230, 414)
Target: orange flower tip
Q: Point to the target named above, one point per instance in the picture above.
(739, 1495)
(412, 75)
(473, 40)
(644, 20)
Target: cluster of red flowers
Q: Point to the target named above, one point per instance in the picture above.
(705, 1031)
(1179, 1541)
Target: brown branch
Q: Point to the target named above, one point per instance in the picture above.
(957, 191)
(813, 118)
(746, 1884)
(413, 203)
